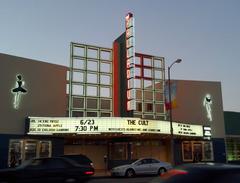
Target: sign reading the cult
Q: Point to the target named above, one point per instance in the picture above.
(130, 61)
(46, 126)
(187, 129)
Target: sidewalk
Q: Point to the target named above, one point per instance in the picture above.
(102, 173)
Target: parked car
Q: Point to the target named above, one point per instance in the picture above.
(142, 166)
(79, 158)
(47, 170)
(202, 173)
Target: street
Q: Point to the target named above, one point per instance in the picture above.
(149, 179)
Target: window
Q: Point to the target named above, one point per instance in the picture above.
(77, 77)
(105, 104)
(105, 55)
(138, 60)
(104, 114)
(159, 108)
(158, 63)
(92, 78)
(148, 107)
(79, 63)
(147, 73)
(78, 102)
(105, 79)
(105, 92)
(91, 114)
(105, 67)
(92, 53)
(147, 84)
(158, 74)
(147, 61)
(148, 95)
(91, 91)
(92, 65)
(79, 51)
(77, 113)
(77, 89)
(92, 103)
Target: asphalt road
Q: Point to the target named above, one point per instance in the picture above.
(152, 179)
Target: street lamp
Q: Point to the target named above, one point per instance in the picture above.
(170, 110)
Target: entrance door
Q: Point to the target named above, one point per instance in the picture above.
(197, 152)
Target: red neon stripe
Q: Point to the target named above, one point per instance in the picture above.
(116, 88)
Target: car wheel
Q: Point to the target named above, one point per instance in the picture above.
(161, 171)
(70, 180)
(130, 173)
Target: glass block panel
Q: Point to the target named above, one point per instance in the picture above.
(148, 95)
(147, 61)
(91, 114)
(92, 78)
(159, 108)
(77, 114)
(137, 71)
(147, 84)
(158, 63)
(158, 85)
(158, 74)
(136, 115)
(92, 53)
(139, 106)
(79, 63)
(105, 55)
(138, 60)
(79, 51)
(105, 104)
(77, 76)
(148, 116)
(160, 117)
(148, 107)
(92, 103)
(105, 67)
(77, 89)
(105, 79)
(105, 92)
(105, 114)
(67, 76)
(91, 91)
(147, 73)
(139, 94)
(92, 65)
(158, 96)
(78, 102)
(137, 83)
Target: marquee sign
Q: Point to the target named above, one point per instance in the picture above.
(87, 125)
(51, 125)
(187, 129)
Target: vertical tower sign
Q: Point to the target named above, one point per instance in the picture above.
(130, 61)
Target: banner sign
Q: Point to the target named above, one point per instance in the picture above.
(46, 126)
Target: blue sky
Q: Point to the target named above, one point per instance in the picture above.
(205, 34)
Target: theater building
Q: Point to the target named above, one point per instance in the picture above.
(109, 102)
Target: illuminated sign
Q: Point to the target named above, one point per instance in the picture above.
(130, 61)
(207, 102)
(18, 91)
(51, 125)
(207, 132)
(87, 125)
(187, 129)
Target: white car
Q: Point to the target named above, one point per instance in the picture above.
(142, 166)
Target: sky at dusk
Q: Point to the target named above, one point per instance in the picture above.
(205, 34)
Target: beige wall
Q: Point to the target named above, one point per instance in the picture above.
(190, 109)
(46, 86)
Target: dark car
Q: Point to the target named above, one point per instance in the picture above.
(79, 158)
(47, 170)
(202, 173)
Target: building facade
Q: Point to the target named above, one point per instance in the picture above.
(110, 102)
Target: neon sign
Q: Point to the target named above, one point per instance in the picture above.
(130, 61)
(18, 91)
(207, 102)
